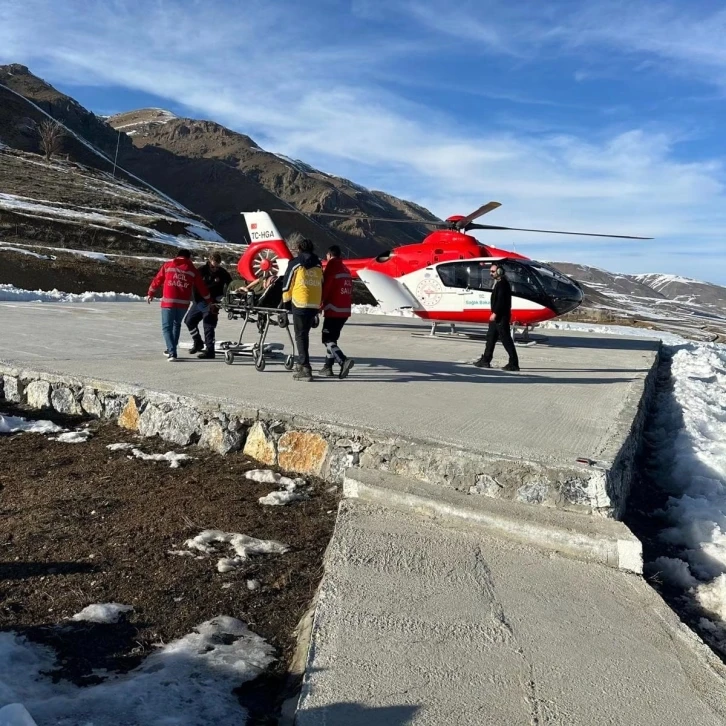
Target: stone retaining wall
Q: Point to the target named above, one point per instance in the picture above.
(313, 447)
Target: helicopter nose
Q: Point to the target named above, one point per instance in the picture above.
(570, 296)
(563, 293)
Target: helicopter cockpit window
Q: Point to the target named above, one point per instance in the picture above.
(522, 280)
(468, 275)
(555, 284)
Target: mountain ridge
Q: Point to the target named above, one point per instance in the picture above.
(295, 183)
(142, 206)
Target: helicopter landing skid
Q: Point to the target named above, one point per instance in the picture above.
(521, 339)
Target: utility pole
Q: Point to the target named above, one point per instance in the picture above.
(115, 159)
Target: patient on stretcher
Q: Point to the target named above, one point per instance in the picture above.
(263, 292)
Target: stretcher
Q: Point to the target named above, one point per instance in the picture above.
(258, 313)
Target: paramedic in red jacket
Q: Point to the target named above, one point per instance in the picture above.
(178, 279)
(336, 302)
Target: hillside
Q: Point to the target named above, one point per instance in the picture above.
(233, 159)
(664, 302)
(72, 223)
(206, 167)
(78, 223)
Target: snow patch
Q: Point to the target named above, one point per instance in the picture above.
(22, 251)
(281, 498)
(204, 233)
(100, 256)
(107, 612)
(658, 280)
(623, 330)
(267, 476)
(13, 424)
(175, 460)
(289, 493)
(687, 440)
(119, 447)
(73, 437)
(187, 682)
(208, 542)
(10, 293)
(712, 598)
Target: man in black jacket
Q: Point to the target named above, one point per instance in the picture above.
(216, 279)
(499, 321)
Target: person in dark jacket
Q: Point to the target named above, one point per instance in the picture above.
(216, 278)
(336, 305)
(302, 291)
(499, 321)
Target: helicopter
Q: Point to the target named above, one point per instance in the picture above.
(443, 279)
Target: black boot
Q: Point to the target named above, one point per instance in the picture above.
(197, 346)
(347, 364)
(482, 363)
(304, 374)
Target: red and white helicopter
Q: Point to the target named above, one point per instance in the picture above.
(445, 278)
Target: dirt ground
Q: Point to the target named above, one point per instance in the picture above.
(80, 524)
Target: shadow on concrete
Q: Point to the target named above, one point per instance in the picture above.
(615, 342)
(605, 343)
(356, 714)
(406, 370)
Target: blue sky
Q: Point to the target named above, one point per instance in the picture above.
(598, 116)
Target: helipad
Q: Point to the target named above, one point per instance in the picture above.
(579, 396)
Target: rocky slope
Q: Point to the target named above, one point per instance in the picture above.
(234, 160)
(211, 170)
(75, 223)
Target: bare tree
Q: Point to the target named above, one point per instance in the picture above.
(51, 137)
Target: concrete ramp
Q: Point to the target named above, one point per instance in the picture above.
(424, 625)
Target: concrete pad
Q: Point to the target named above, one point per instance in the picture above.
(567, 397)
(599, 540)
(422, 625)
(578, 395)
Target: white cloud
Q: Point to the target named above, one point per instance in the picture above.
(292, 81)
(683, 38)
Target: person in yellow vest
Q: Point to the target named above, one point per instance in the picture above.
(302, 292)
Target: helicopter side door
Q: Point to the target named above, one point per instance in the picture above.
(469, 281)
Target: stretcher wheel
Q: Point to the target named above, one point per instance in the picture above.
(289, 363)
(316, 321)
(259, 361)
(282, 320)
(230, 315)
(228, 357)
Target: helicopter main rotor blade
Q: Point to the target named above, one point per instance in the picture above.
(485, 209)
(555, 231)
(357, 216)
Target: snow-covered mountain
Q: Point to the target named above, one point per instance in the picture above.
(675, 287)
(665, 302)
